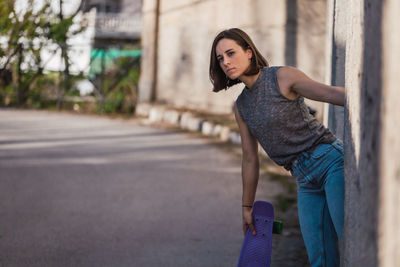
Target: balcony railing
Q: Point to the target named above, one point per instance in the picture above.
(117, 26)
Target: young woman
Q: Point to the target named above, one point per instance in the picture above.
(271, 110)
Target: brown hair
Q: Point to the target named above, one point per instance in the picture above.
(217, 76)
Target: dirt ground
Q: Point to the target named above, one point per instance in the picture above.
(277, 186)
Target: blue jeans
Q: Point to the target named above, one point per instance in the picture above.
(320, 187)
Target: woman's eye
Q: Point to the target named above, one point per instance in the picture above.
(231, 53)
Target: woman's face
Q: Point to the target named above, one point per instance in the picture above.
(233, 60)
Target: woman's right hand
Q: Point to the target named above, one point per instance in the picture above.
(248, 220)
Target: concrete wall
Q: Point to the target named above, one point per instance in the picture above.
(310, 43)
(187, 30)
(337, 26)
(389, 214)
(372, 148)
(188, 27)
(362, 182)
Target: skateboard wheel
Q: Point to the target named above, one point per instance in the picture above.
(277, 227)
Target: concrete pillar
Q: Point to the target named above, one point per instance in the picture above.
(362, 133)
(361, 168)
(372, 146)
(335, 62)
(148, 68)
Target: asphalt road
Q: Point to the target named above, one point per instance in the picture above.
(91, 191)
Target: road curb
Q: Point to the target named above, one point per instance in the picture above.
(186, 120)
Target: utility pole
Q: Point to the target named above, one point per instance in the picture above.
(153, 96)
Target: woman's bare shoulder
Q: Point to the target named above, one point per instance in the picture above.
(285, 76)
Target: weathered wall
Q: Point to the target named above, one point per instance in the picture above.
(188, 27)
(361, 149)
(310, 43)
(372, 148)
(389, 213)
(335, 61)
(186, 33)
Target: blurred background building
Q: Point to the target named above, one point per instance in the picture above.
(108, 24)
(116, 30)
(116, 22)
(177, 38)
(56, 48)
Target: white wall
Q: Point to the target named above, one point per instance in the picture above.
(188, 27)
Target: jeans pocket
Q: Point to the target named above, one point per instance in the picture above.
(299, 173)
(311, 170)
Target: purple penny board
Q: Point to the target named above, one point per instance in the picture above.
(256, 250)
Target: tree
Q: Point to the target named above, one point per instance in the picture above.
(60, 32)
(22, 35)
(115, 77)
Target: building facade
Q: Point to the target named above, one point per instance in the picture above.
(116, 23)
(177, 38)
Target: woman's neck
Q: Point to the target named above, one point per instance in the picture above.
(249, 80)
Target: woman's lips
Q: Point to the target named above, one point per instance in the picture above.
(230, 70)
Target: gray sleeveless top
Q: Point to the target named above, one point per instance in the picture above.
(283, 127)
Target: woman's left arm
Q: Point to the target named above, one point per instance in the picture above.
(301, 84)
